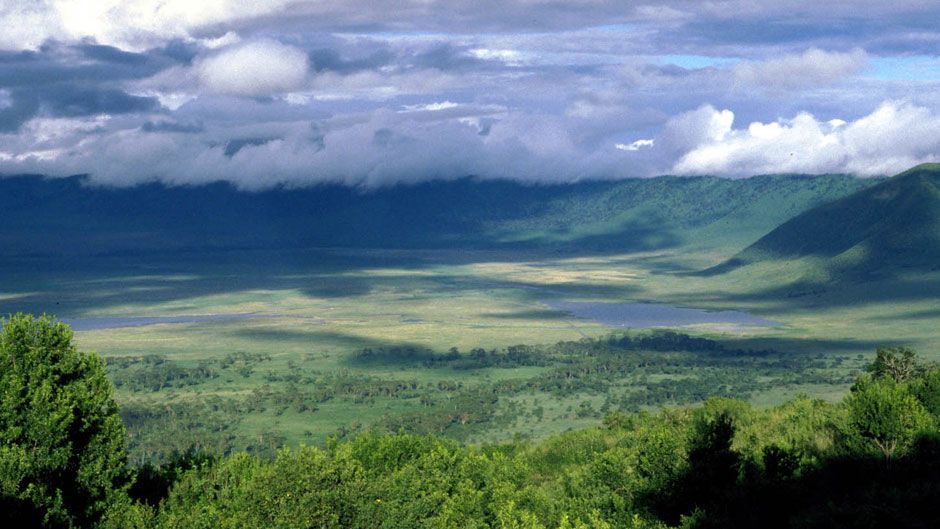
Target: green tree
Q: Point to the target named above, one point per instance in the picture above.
(885, 414)
(926, 388)
(898, 363)
(62, 452)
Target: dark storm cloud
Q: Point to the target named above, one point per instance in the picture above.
(172, 127)
(69, 100)
(58, 63)
(434, 55)
(330, 59)
(60, 80)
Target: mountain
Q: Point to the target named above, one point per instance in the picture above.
(66, 216)
(877, 231)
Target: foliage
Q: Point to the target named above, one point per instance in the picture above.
(871, 461)
(884, 413)
(724, 464)
(453, 394)
(62, 458)
(897, 363)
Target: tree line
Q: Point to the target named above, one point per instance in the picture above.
(871, 460)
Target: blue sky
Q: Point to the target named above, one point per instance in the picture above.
(371, 93)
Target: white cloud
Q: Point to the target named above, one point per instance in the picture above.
(26, 24)
(44, 130)
(897, 135)
(256, 68)
(510, 57)
(128, 24)
(228, 39)
(814, 67)
(430, 107)
(691, 129)
(635, 146)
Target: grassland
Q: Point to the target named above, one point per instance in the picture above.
(313, 312)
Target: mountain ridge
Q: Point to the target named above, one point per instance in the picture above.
(64, 216)
(893, 224)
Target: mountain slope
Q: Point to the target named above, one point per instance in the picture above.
(876, 231)
(66, 217)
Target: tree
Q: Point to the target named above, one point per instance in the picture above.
(62, 452)
(884, 413)
(898, 363)
(926, 388)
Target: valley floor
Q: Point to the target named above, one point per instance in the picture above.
(270, 323)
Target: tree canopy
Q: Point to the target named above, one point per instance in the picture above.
(872, 460)
(62, 455)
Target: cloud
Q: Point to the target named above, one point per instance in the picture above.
(26, 25)
(672, 26)
(510, 57)
(431, 107)
(689, 130)
(812, 68)
(635, 146)
(171, 127)
(129, 24)
(381, 148)
(74, 80)
(257, 68)
(387, 146)
(295, 92)
(897, 135)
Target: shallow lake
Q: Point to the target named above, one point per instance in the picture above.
(653, 314)
(97, 323)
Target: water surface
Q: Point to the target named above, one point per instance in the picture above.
(97, 323)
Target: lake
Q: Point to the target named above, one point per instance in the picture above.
(97, 323)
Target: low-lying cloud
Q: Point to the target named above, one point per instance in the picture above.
(390, 146)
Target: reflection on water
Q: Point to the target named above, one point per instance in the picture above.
(653, 314)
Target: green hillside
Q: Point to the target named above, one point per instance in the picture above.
(889, 228)
(623, 216)
(673, 211)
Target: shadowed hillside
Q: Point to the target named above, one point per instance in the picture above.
(628, 215)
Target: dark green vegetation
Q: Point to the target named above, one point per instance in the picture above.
(877, 231)
(629, 215)
(454, 394)
(872, 460)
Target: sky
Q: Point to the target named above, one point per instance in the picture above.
(370, 93)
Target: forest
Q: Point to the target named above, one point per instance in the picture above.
(870, 460)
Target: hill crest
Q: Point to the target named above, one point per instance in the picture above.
(892, 225)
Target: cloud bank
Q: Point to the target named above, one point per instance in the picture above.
(295, 92)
